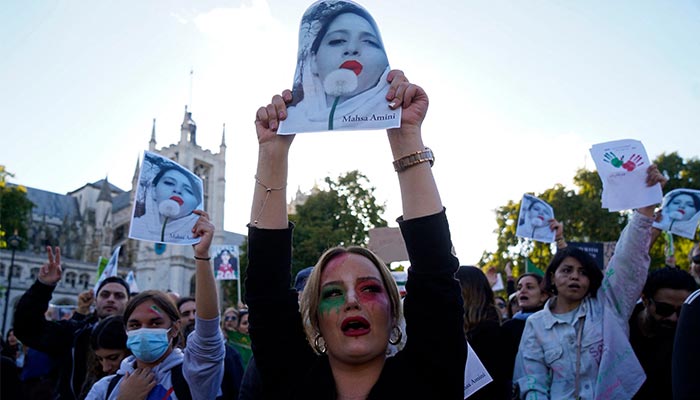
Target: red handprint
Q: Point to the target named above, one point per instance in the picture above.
(634, 162)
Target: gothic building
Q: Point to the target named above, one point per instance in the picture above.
(93, 220)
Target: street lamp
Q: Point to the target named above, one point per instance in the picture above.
(13, 241)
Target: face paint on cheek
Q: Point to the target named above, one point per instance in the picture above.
(331, 303)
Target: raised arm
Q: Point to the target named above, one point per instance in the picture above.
(31, 327)
(203, 366)
(433, 305)
(269, 209)
(419, 193)
(627, 270)
(205, 290)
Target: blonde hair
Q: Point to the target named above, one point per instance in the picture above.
(311, 297)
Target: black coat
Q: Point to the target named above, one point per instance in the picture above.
(431, 365)
(66, 341)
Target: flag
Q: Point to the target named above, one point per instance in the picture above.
(101, 264)
(531, 268)
(110, 269)
(131, 280)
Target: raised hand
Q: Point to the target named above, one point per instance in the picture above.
(267, 121)
(205, 230)
(85, 300)
(137, 385)
(509, 270)
(634, 162)
(411, 97)
(653, 177)
(51, 272)
(557, 227)
(612, 159)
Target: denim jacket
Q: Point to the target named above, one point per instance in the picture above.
(545, 366)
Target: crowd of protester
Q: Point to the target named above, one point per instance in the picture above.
(341, 330)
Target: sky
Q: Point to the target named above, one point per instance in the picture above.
(519, 92)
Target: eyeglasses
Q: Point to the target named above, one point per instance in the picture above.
(696, 259)
(230, 318)
(665, 309)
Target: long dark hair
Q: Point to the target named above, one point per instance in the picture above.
(477, 296)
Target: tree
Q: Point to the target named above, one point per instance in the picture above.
(339, 216)
(584, 219)
(15, 210)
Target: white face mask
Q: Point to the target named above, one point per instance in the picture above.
(148, 344)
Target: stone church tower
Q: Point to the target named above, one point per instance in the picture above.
(173, 268)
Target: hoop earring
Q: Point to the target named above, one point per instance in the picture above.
(396, 335)
(320, 344)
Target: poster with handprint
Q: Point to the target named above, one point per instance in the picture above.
(340, 82)
(533, 220)
(680, 212)
(622, 167)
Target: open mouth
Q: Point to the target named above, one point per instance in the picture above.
(355, 326)
(523, 298)
(574, 286)
(178, 200)
(353, 66)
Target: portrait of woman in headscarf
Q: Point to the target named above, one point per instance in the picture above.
(165, 200)
(340, 81)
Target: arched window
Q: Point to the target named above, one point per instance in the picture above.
(70, 279)
(84, 281)
(34, 273)
(16, 271)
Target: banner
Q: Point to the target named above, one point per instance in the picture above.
(131, 281)
(110, 269)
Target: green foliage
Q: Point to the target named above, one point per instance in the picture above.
(15, 210)
(339, 216)
(584, 219)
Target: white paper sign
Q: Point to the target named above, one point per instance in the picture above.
(622, 167)
(475, 374)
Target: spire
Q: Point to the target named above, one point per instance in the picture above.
(152, 143)
(223, 137)
(188, 129)
(136, 170)
(105, 193)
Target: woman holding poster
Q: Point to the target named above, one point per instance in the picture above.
(334, 344)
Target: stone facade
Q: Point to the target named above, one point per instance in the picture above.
(93, 220)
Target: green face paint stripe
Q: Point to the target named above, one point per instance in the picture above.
(331, 303)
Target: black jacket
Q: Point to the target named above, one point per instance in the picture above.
(431, 365)
(66, 341)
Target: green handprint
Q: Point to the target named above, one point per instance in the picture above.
(611, 158)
